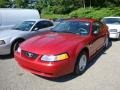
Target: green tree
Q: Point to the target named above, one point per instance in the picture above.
(59, 7)
(3, 3)
(21, 3)
(66, 6)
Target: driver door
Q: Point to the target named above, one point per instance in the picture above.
(97, 37)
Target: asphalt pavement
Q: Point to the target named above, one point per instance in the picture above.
(103, 73)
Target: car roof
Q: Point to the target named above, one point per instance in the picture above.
(36, 20)
(112, 17)
(82, 19)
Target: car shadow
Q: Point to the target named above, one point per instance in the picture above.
(114, 40)
(72, 76)
(5, 57)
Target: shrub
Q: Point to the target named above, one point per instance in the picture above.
(54, 16)
(97, 13)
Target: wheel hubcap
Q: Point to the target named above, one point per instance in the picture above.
(83, 62)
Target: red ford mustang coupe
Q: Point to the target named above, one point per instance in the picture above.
(65, 49)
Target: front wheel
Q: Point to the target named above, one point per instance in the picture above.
(15, 46)
(81, 64)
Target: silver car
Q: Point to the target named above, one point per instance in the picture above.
(10, 39)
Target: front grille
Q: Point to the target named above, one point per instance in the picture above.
(30, 55)
(113, 30)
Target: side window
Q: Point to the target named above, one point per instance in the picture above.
(50, 23)
(37, 26)
(47, 24)
(42, 24)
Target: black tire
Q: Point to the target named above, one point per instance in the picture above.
(15, 46)
(77, 70)
(119, 37)
(107, 42)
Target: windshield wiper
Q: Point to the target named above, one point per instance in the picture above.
(17, 28)
(54, 31)
(69, 32)
(64, 31)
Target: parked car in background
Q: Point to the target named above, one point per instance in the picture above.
(10, 17)
(59, 20)
(10, 39)
(113, 24)
(65, 49)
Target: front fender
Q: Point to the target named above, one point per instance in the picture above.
(74, 52)
(15, 38)
(79, 48)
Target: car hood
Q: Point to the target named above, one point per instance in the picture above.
(114, 26)
(10, 33)
(52, 43)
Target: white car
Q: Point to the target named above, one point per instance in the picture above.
(113, 24)
(10, 39)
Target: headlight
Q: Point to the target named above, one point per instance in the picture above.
(2, 42)
(19, 50)
(54, 58)
(113, 30)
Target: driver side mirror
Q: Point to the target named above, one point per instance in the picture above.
(35, 29)
(51, 28)
(95, 32)
(96, 29)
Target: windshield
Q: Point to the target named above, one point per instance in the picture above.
(25, 26)
(76, 27)
(111, 20)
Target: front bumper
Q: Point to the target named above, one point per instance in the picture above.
(5, 49)
(46, 69)
(114, 35)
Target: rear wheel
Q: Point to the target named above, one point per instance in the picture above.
(106, 42)
(81, 64)
(119, 37)
(15, 46)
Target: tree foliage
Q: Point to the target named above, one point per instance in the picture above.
(61, 6)
(66, 6)
(21, 3)
(3, 3)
